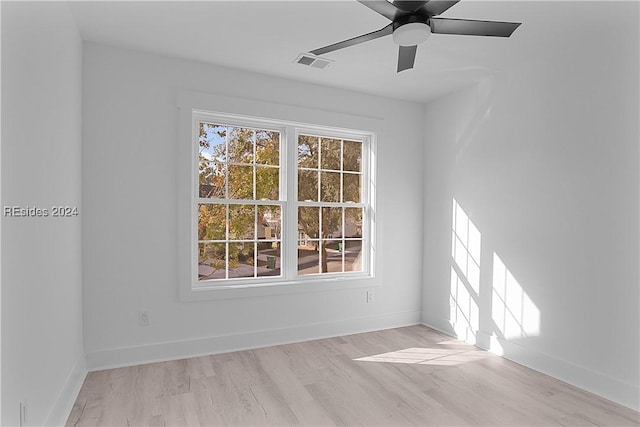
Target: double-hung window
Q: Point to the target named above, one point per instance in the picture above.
(277, 202)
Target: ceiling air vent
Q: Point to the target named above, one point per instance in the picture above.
(312, 61)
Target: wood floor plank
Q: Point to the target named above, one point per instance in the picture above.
(405, 376)
(278, 366)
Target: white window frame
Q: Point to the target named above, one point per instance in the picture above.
(289, 281)
(367, 189)
(234, 121)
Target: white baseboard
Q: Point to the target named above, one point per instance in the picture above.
(67, 397)
(587, 379)
(613, 389)
(173, 350)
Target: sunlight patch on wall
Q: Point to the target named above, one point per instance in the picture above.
(464, 313)
(465, 274)
(465, 246)
(513, 312)
(428, 356)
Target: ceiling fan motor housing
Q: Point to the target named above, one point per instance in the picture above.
(411, 30)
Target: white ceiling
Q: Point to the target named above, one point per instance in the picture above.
(266, 37)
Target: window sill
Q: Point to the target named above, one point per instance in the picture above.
(227, 291)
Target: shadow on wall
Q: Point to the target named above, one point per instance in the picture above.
(479, 111)
(513, 315)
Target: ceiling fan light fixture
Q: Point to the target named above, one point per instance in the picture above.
(411, 34)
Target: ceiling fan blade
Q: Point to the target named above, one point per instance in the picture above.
(383, 7)
(470, 27)
(406, 57)
(356, 40)
(409, 5)
(436, 7)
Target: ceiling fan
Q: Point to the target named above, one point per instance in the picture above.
(412, 22)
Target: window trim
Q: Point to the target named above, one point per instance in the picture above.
(344, 125)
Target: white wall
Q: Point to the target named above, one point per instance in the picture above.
(130, 229)
(42, 354)
(544, 160)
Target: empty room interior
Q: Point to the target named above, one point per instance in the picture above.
(320, 213)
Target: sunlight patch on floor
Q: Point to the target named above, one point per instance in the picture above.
(428, 356)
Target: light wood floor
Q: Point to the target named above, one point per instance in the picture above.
(405, 376)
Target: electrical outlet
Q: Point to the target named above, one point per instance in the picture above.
(369, 296)
(23, 413)
(144, 318)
